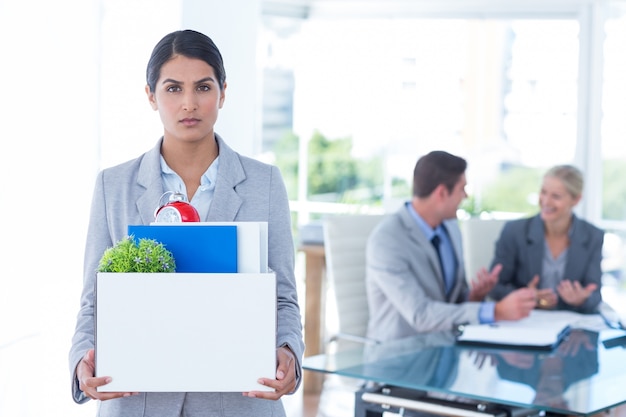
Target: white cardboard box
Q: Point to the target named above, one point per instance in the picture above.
(185, 332)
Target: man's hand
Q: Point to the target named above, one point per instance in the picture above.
(517, 305)
(484, 282)
(285, 382)
(546, 297)
(88, 384)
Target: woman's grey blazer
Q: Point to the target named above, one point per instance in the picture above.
(521, 247)
(245, 190)
(405, 286)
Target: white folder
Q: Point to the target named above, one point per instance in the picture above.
(541, 330)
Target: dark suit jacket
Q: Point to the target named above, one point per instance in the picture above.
(520, 249)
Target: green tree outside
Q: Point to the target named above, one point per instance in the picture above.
(614, 190)
(334, 175)
(514, 190)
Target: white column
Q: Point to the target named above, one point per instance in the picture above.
(589, 144)
(233, 27)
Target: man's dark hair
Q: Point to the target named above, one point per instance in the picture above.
(434, 168)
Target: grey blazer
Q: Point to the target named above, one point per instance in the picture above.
(246, 190)
(405, 285)
(521, 247)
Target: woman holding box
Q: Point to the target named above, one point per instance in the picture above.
(186, 85)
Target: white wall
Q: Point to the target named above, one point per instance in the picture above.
(48, 109)
(72, 101)
(233, 27)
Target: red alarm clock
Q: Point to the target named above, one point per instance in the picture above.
(176, 210)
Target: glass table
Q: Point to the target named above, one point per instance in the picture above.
(584, 375)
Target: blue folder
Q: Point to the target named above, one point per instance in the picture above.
(196, 248)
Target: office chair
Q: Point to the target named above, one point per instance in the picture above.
(479, 243)
(345, 238)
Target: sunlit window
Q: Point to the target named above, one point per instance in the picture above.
(613, 117)
(379, 93)
(613, 133)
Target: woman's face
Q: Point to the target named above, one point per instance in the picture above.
(188, 98)
(555, 201)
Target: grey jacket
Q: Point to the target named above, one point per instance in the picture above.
(246, 190)
(520, 249)
(405, 285)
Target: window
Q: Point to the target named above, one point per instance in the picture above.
(514, 87)
(500, 92)
(613, 127)
(612, 133)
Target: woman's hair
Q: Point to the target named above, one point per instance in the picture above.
(190, 44)
(437, 167)
(571, 177)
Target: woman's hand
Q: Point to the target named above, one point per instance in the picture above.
(285, 382)
(88, 383)
(573, 293)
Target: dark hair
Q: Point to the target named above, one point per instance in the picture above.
(434, 168)
(187, 43)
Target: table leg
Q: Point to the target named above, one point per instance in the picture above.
(315, 265)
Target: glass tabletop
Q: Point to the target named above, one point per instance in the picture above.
(583, 375)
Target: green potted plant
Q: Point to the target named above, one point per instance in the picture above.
(145, 255)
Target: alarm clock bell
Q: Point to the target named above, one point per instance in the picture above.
(176, 210)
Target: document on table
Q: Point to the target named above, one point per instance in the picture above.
(542, 330)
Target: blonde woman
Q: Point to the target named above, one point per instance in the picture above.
(553, 251)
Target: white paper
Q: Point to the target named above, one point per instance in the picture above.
(192, 332)
(251, 245)
(540, 329)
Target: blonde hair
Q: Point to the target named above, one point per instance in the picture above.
(571, 177)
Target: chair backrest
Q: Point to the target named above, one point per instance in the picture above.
(479, 243)
(345, 239)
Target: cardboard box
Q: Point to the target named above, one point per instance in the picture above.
(185, 332)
